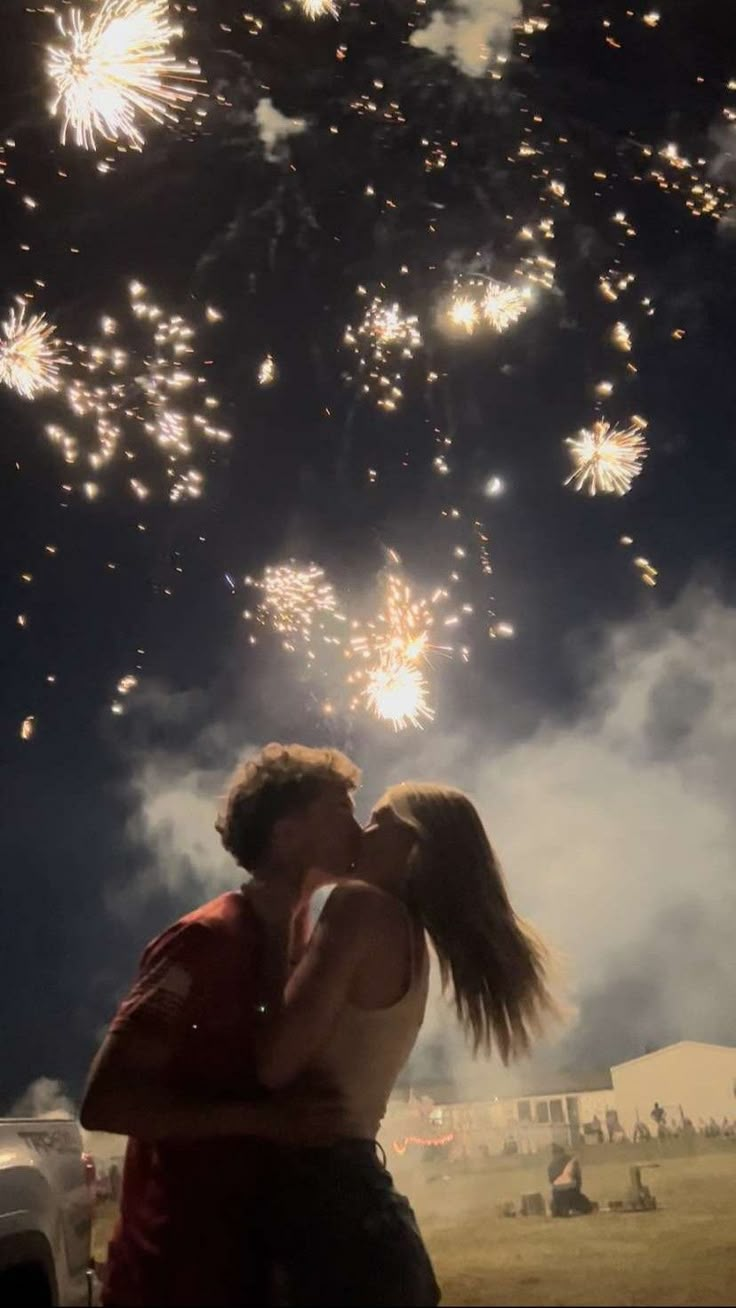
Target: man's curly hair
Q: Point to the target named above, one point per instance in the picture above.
(277, 782)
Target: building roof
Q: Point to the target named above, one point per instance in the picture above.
(679, 1044)
(563, 1089)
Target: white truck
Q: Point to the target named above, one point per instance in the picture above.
(46, 1202)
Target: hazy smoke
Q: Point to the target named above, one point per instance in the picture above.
(44, 1098)
(467, 31)
(274, 127)
(617, 831)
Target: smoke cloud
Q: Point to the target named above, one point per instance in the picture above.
(617, 830)
(44, 1098)
(274, 127)
(467, 32)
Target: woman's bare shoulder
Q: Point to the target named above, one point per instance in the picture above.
(358, 900)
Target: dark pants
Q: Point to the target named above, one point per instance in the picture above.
(565, 1203)
(344, 1235)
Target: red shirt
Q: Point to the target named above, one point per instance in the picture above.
(187, 1233)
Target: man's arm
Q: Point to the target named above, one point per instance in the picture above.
(131, 1089)
(126, 1094)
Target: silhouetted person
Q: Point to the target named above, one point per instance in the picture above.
(566, 1180)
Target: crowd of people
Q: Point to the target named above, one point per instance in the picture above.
(665, 1126)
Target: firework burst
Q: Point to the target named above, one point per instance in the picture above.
(400, 631)
(397, 692)
(393, 646)
(133, 392)
(463, 313)
(296, 601)
(503, 306)
(114, 69)
(606, 459)
(482, 301)
(384, 339)
(315, 9)
(30, 357)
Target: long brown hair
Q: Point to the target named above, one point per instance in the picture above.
(497, 964)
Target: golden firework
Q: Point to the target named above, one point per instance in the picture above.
(503, 306)
(114, 69)
(267, 371)
(606, 459)
(396, 692)
(394, 645)
(621, 337)
(149, 389)
(463, 313)
(383, 340)
(319, 8)
(295, 599)
(30, 357)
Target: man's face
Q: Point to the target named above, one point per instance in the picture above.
(331, 834)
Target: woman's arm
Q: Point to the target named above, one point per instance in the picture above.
(352, 928)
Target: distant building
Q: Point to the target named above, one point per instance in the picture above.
(688, 1079)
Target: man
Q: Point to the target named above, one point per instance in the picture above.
(176, 1072)
(658, 1114)
(613, 1126)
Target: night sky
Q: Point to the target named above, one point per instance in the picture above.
(203, 216)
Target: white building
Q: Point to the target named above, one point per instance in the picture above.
(688, 1079)
(530, 1122)
(692, 1080)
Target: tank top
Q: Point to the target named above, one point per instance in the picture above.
(368, 1047)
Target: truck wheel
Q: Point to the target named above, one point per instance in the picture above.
(27, 1286)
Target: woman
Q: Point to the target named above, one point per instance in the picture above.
(352, 1012)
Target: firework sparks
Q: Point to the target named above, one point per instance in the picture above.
(483, 300)
(295, 600)
(385, 338)
(606, 459)
(394, 645)
(647, 572)
(115, 68)
(117, 395)
(30, 357)
(28, 727)
(315, 9)
(463, 313)
(621, 337)
(400, 632)
(503, 306)
(396, 692)
(267, 371)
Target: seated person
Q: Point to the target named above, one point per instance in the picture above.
(566, 1180)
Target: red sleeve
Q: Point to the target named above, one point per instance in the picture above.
(167, 993)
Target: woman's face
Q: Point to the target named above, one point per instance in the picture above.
(385, 848)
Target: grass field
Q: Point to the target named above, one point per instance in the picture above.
(684, 1253)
